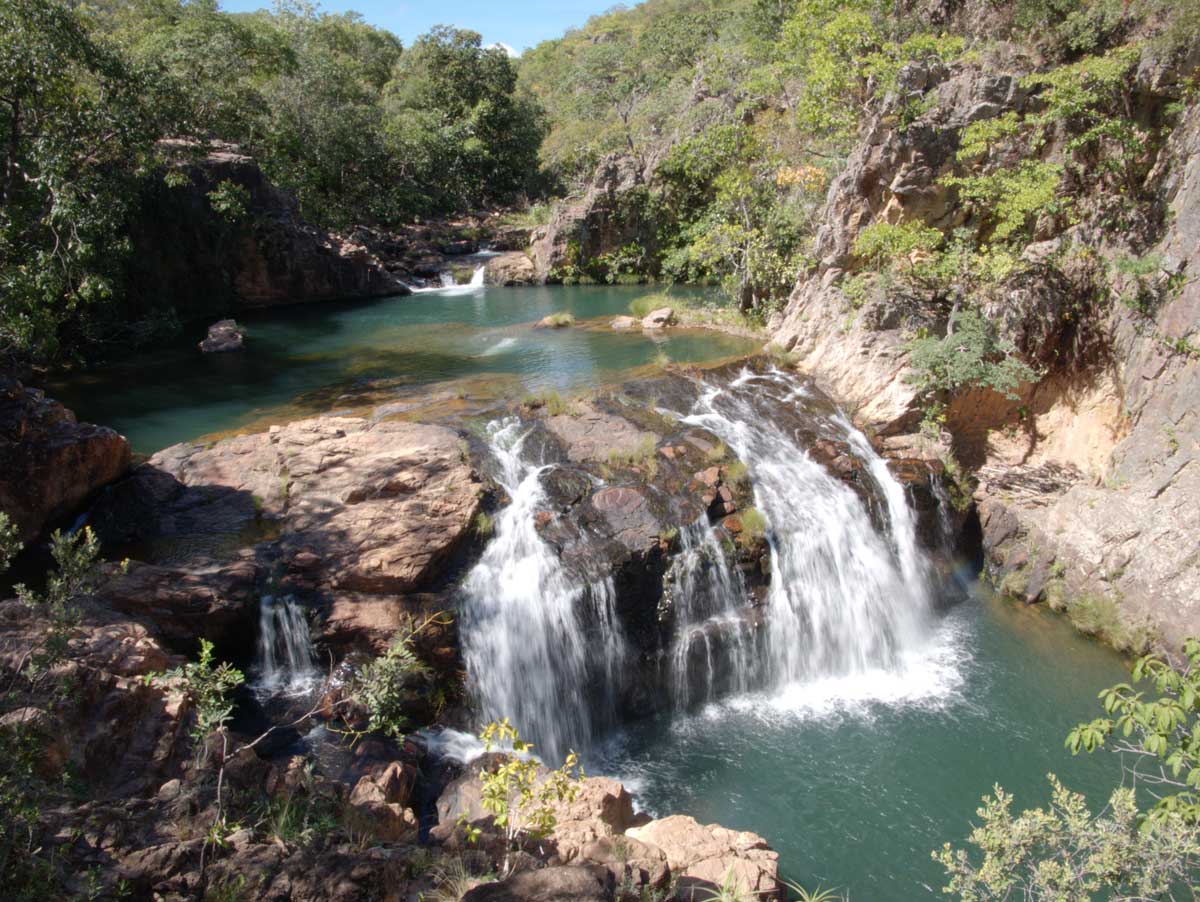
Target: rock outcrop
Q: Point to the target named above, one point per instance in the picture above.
(206, 263)
(50, 463)
(511, 268)
(223, 335)
(603, 220)
(598, 834)
(1088, 485)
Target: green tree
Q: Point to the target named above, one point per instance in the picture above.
(78, 125)
(1066, 851)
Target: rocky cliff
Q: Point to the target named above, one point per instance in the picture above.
(1087, 483)
(257, 253)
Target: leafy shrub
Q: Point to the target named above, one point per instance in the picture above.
(10, 544)
(559, 320)
(968, 356)
(207, 687)
(886, 243)
(386, 686)
(518, 794)
(230, 201)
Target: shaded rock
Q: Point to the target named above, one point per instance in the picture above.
(628, 860)
(50, 463)
(186, 251)
(379, 804)
(659, 319)
(379, 505)
(45, 730)
(211, 600)
(554, 884)
(224, 335)
(710, 854)
(512, 268)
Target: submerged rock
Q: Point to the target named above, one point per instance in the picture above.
(623, 323)
(223, 335)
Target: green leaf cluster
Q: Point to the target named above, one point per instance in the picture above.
(970, 355)
(207, 685)
(387, 686)
(519, 793)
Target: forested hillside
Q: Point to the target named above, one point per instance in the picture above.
(360, 129)
(736, 116)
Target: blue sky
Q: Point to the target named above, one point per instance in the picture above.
(519, 24)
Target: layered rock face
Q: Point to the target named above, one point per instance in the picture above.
(1087, 490)
(599, 222)
(186, 251)
(358, 517)
(50, 463)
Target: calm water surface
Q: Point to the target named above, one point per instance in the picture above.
(309, 359)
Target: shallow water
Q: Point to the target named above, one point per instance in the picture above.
(856, 780)
(309, 359)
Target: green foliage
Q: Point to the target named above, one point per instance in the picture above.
(230, 201)
(207, 686)
(10, 543)
(75, 556)
(754, 525)
(387, 686)
(885, 243)
(968, 356)
(1156, 729)
(549, 400)
(559, 320)
(642, 456)
(1010, 200)
(519, 794)
(1066, 852)
(79, 124)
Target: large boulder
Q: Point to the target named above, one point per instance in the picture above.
(708, 856)
(186, 251)
(555, 884)
(511, 268)
(50, 463)
(659, 319)
(371, 507)
(223, 335)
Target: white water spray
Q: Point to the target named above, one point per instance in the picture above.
(285, 662)
(841, 601)
(714, 650)
(542, 645)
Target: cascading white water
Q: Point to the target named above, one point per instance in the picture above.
(530, 655)
(285, 663)
(714, 644)
(477, 277)
(446, 278)
(841, 601)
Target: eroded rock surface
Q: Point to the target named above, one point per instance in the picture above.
(50, 463)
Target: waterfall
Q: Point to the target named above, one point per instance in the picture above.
(477, 277)
(713, 651)
(842, 599)
(446, 278)
(542, 645)
(285, 662)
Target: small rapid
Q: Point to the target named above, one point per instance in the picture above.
(285, 663)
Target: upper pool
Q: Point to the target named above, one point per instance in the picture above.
(308, 359)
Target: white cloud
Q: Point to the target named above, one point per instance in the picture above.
(512, 54)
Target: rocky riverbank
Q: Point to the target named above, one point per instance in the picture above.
(366, 524)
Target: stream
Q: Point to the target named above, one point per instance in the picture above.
(855, 727)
